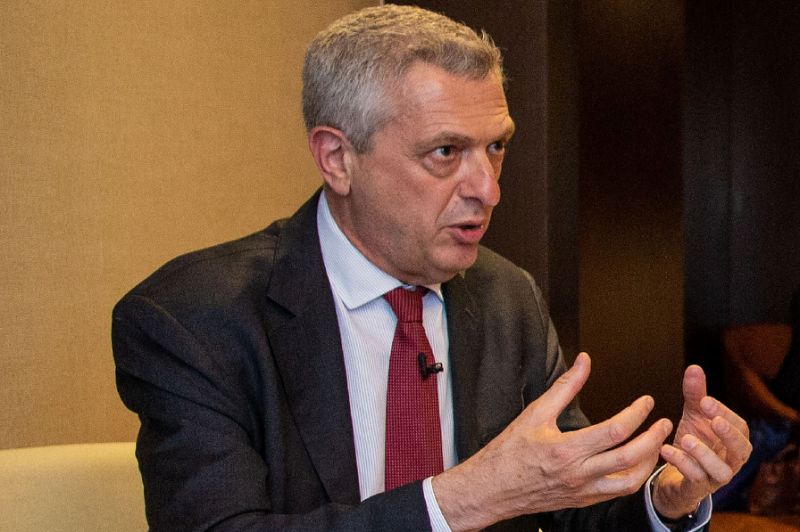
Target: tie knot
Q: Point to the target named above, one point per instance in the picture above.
(406, 304)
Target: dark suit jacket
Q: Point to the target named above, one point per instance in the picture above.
(231, 356)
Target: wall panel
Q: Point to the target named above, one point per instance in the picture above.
(130, 132)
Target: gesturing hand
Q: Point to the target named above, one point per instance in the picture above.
(533, 467)
(711, 445)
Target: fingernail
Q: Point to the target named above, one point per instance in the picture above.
(720, 425)
(649, 402)
(689, 442)
(708, 405)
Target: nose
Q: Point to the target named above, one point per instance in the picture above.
(482, 180)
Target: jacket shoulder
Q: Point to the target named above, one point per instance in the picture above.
(214, 274)
(494, 273)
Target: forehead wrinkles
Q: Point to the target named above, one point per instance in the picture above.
(431, 103)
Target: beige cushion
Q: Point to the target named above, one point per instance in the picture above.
(84, 487)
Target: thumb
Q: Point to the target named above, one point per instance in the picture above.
(694, 387)
(564, 389)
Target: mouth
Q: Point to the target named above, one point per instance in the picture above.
(470, 227)
(469, 232)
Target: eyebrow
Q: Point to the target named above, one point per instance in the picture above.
(512, 127)
(449, 137)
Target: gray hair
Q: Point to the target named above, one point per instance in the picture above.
(353, 65)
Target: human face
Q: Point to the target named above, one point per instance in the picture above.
(420, 200)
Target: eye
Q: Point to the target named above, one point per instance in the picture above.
(498, 147)
(445, 152)
(443, 160)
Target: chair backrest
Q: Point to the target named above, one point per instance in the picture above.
(753, 357)
(83, 487)
(762, 347)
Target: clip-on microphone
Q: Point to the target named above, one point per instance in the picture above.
(425, 369)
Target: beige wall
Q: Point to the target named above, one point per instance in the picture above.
(130, 132)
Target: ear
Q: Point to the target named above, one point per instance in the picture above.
(332, 152)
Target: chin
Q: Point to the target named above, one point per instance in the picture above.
(458, 264)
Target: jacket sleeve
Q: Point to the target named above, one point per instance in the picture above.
(200, 445)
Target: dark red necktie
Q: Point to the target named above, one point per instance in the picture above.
(413, 431)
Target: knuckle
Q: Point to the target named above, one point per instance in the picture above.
(572, 482)
(695, 475)
(560, 454)
(623, 459)
(725, 477)
(616, 433)
(563, 380)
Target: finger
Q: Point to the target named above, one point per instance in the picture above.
(713, 408)
(616, 429)
(737, 446)
(717, 469)
(684, 462)
(694, 386)
(629, 480)
(643, 449)
(551, 403)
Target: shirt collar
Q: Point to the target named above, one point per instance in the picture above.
(354, 278)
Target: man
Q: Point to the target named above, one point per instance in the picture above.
(265, 371)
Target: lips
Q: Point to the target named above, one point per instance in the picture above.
(469, 232)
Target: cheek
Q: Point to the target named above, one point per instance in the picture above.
(450, 203)
(422, 206)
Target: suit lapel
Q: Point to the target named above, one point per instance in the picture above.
(466, 348)
(307, 348)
